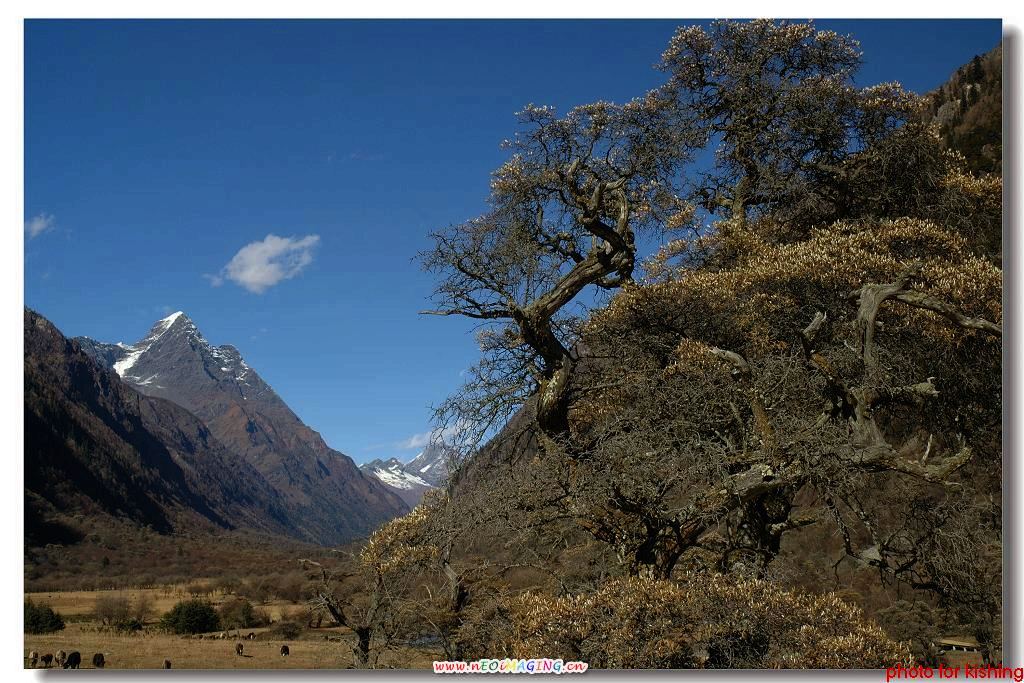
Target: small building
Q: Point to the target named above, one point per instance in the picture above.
(959, 651)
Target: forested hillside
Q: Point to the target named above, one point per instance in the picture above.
(968, 109)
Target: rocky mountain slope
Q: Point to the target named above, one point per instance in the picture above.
(334, 501)
(93, 445)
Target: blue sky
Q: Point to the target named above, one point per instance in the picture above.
(156, 151)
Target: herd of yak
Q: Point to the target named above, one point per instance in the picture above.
(73, 660)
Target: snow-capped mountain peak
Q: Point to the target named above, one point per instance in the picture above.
(134, 351)
(395, 474)
(175, 347)
(174, 362)
(430, 464)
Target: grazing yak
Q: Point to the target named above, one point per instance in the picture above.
(61, 657)
(33, 659)
(238, 649)
(285, 651)
(98, 661)
(167, 664)
(74, 660)
(46, 659)
(251, 636)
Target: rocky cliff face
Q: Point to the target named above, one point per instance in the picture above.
(335, 501)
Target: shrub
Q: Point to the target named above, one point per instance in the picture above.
(191, 616)
(111, 609)
(228, 584)
(287, 630)
(239, 613)
(711, 621)
(41, 619)
(127, 625)
(917, 624)
(142, 608)
(291, 587)
(199, 588)
(260, 590)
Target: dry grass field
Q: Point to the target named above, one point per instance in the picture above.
(149, 649)
(77, 605)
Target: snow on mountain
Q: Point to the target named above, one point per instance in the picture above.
(430, 464)
(396, 477)
(134, 352)
(411, 480)
(394, 474)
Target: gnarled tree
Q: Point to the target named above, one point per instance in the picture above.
(865, 351)
(789, 370)
(375, 595)
(567, 208)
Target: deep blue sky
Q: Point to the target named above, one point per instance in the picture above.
(160, 149)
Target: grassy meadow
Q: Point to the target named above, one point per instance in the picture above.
(322, 648)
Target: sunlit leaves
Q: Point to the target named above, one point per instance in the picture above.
(701, 620)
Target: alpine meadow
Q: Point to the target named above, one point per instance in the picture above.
(734, 399)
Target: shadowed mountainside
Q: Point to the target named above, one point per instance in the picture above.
(95, 445)
(334, 501)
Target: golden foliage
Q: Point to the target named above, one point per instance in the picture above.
(399, 543)
(754, 305)
(704, 620)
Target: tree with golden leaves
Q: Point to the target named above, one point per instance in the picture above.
(826, 351)
(375, 596)
(776, 100)
(699, 621)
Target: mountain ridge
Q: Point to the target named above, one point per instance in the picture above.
(174, 361)
(94, 445)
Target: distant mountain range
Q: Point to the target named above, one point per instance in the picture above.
(173, 431)
(393, 474)
(414, 478)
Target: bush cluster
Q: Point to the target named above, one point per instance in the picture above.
(701, 621)
(239, 613)
(192, 616)
(41, 619)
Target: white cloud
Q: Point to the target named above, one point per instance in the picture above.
(260, 265)
(416, 441)
(40, 223)
(447, 435)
